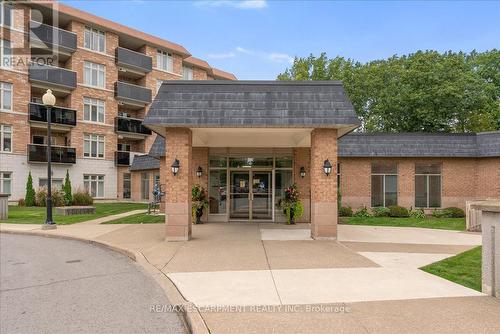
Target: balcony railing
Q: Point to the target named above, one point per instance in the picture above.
(132, 125)
(53, 76)
(130, 92)
(59, 115)
(59, 154)
(133, 60)
(53, 38)
(122, 158)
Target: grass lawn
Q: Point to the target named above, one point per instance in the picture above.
(36, 215)
(457, 224)
(141, 218)
(464, 268)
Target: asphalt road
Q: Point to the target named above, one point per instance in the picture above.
(62, 286)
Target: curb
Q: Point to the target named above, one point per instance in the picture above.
(193, 321)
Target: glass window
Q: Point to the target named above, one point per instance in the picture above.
(93, 145)
(5, 183)
(237, 162)
(164, 61)
(94, 184)
(187, 73)
(283, 179)
(127, 185)
(145, 186)
(216, 161)
(5, 53)
(5, 138)
(428, 185)
(94, 74)
(284, 162)
(218, 191)
(94, 40)
(384, 187)
(5, 14)
(56, 183)
(5, 96)
(93, 110)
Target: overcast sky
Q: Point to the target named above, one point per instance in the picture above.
(257, 39)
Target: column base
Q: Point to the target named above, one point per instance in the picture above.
(49, 226)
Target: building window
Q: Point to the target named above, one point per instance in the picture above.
(145, 185)
(93, 145)
(218, 191)
(94, 184)
(95, 40)
(428, 185)
(127, 185)
(6, 137)
(56, 183)
(93, 110)
(5, 96)
(5, 15)
(164, 61)
(5, 53)
(5, 183)
(187, 73)
(94, 74)
(384, 184)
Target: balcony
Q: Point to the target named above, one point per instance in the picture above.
(59, 154)
(132, 95)
(51, 39)
(123, 158)
(133, 64)
(57, 78)
(131, 128)
(62, 118)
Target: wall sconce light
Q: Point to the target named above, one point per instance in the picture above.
(327, 167)
(175, 167)
(199, 171)
(302, 172)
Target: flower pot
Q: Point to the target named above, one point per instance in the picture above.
(292, 218)
(199, 213)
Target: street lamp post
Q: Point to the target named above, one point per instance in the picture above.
(49, 100)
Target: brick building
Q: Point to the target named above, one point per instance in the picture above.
(104, 76)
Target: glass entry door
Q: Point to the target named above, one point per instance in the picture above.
(251, 195)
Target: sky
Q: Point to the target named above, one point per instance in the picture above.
(258, 39)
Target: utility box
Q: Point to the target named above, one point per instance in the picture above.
(490, 225)
(4, 206)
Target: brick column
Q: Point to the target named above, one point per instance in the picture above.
(323, 188)
(178, 187)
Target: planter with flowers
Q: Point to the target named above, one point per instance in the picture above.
(199, 202)
(291, 205)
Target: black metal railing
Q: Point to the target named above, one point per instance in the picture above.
(53, 37)
(122, 158)
(53, 75)
(59, 115)
(59, 154)
(135, 60)
(126, 124)
(127, 91)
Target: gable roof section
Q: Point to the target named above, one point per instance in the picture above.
(144, 162)
(239, 104)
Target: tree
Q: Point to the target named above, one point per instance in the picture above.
(68, 197)
(426, 91)
(29, 198)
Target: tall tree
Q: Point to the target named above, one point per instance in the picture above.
(29, 197)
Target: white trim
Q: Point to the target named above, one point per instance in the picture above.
(10, 69)
(97, 146)
(95, 87)
(11, 137)
(92, 99)
(97, 69)
(96, 52)
(158, 69)
(95, 123)
(13, 112)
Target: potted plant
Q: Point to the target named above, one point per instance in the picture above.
(199, 202)
(291, 205)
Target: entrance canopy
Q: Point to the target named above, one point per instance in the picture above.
(293, 108)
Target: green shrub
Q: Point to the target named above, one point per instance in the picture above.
(68, 197)
(345, 211)
(398, 211)
(450, 212)
(41, 196)
(82, 197)
(419, 213)
(30, 197)
(57, 197)
(21, 202)
(381, 211)
(363, 213)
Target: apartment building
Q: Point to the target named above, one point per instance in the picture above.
(104, 76)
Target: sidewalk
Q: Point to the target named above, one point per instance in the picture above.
(276, 266)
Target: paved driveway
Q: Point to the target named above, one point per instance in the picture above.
(61, 286)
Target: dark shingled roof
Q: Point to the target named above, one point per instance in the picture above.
(275, 104)
(471, 145)
(144, 162)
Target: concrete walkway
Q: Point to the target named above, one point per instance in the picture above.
(101, 220)
(277, 265)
